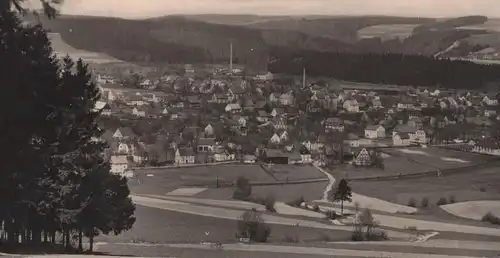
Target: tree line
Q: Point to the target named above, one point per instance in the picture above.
(55, 181)
(396, 69)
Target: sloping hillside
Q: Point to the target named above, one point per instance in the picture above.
(339, 28)
(177, 39)
(62, 49)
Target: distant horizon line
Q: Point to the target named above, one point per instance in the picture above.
(273, 15)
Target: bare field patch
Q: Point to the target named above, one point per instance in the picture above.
(436, 158)
(294, 172)
(282, 193)
(62, 49)
(482, 184)
(388, 31)
(473, 210)
(167, 180)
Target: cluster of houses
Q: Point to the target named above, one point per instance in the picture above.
(247, 120)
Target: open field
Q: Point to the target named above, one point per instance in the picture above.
(483, 184)
(284, 193)
(439, 158)
(64, 49)
(492, 25)
(473, 210)
(387, 31)
(161, 226)
(412, 161)
(163, 181)
(167, 251)
(294, 172)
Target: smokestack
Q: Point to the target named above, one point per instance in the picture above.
(231, 57)
(304, 78)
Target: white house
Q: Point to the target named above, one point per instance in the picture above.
(313, 146)
(374, 131)
(275, 139)
(119, 164)
(286, 99)
(184, 156)
(416, 135)
(419, 136)
(351, 106)
(249, 159)
(435, 93)
(209, 130)
(223, 155)
(124, 148)
(273, 98)
(234, 107)
(284, 136)
(264, 77)
(490, 112)
(401, 139)
(138, 112)
(490, 100)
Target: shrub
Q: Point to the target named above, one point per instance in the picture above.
(491, 218)
(292, 239)
(251, 225)
(316, 208)
(377, 235)
(425, 202)
(297, 202)
(325, 238)
(357, 234)
(451, 199)
(442, 201)
(482, 189)
(412, 202)
(331, 215)
(269, 203)
(412, 228)
(243, 189)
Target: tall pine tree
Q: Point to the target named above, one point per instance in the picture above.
(54, 177)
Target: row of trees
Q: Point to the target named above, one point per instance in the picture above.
(54, 180)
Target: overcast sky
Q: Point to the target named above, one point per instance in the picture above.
(148, 8)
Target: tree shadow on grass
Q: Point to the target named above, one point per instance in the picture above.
(47, 248)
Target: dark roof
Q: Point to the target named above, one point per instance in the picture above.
(126, 132)
(186, 152)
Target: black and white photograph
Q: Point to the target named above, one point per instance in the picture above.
(250, 128)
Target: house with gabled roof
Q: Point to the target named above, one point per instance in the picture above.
(351, 105)
(233, 108)
(139, 111)
(184, 156)
(119, 164)
(124, 133)
(136, 100)
(275, 139)
(374, 131)
(363, 158)
(333, 124)
(401, 139)
(490, 100)
(206, 144)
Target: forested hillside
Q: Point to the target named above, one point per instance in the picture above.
(386, 68)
